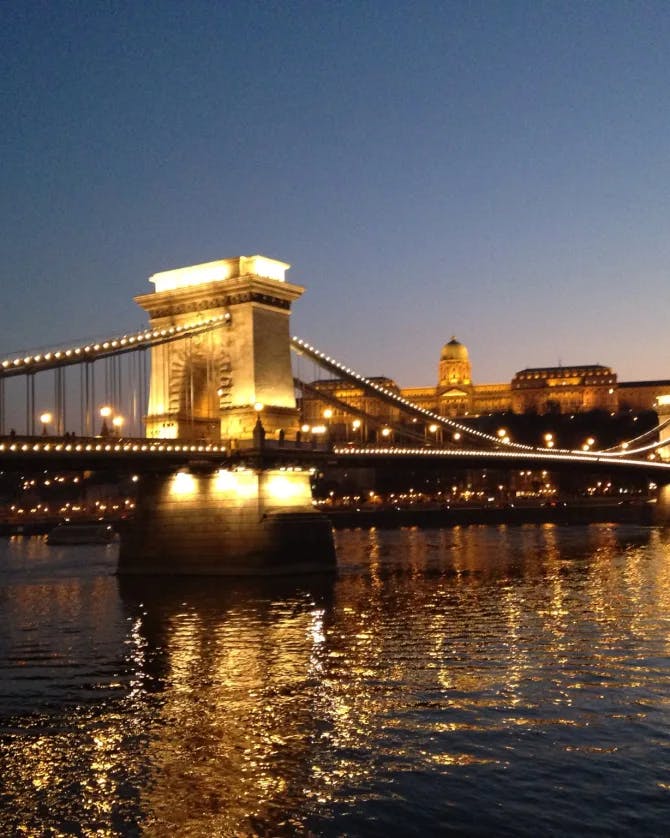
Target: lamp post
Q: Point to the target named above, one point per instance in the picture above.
(105, 413)
(356, 427)
(328, 415)
(317, 433)
(118, 422)
(45, 419)
(503, 435)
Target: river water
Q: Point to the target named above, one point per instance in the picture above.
(466, 681)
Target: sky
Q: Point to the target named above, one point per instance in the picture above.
(497, 171)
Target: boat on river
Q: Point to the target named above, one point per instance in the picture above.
(81, 534)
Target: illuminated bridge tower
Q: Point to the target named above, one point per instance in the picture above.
(662, 506)
(209, 386)
(249, 520)
(663, 413)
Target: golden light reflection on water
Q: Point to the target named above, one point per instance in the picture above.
(258, 709)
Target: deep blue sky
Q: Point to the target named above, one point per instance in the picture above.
(495, 170)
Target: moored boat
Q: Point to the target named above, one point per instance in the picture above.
(81, 534)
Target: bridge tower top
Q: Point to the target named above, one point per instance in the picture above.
(220, 271)
(214, 385)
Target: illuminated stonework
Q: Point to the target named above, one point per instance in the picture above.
(663, 412)
(564, 389)
(561, 389)
(226, 522)
(209, 386)
(219, 271)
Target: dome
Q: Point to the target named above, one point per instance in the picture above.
(454, 351)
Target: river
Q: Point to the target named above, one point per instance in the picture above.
(467, 681)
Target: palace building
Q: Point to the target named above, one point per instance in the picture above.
(540, 390)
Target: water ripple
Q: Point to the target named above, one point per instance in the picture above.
(472, 681)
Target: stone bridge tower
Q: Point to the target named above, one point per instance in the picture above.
(662, 408)
(213, 385)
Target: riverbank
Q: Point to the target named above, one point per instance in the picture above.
(391, 517)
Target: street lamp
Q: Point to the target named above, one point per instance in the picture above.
(118, 422)
(45, 419)
(328, 415)
(105, 413)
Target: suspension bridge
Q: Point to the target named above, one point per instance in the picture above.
(207, 392)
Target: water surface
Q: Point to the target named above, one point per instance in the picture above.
(508, 681)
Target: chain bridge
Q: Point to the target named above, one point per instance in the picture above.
(202, 403)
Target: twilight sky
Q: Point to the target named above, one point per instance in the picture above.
(495, 170)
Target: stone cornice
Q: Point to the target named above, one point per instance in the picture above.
(222, 294)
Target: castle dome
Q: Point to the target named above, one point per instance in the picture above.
(454, 351)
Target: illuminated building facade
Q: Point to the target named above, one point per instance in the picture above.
(540, 390)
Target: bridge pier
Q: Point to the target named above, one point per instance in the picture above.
(661, 513)
(243, 522)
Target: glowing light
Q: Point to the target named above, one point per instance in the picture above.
(219, 271)
(258, 407)
(183, 484)
(284, 487)
(225, 481)
(105, 411)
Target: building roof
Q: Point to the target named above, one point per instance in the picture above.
(563, 370)
(345, 383)
(662, 383)
(454, 351)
